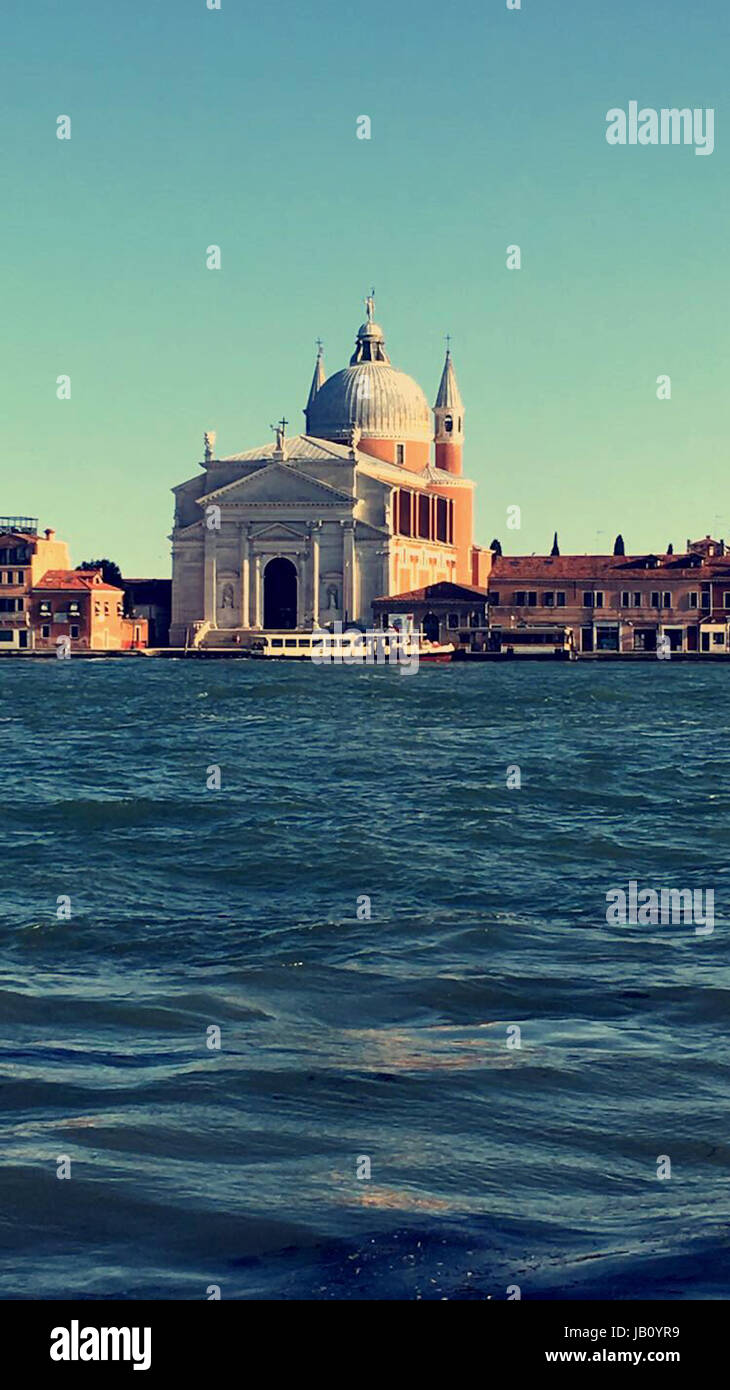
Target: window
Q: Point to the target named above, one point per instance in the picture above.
(424, 515)
(598, 600)
(520, 598)
(637, 600)
(625, 597)
(655, 598)
(666, 599)
(453, 619)
(494, 598)
(692, 598)
(560, 599)
(726, 599)
(290, 642)
(19, 578)
(74, 630)
(6, 634)
(718, 638)
(532, 598)
(587, 598)
(548, 600)
(11, 605)
(45, 631)
(400, 453)
(706, 597)
(106, 610)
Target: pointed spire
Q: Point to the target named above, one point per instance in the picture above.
(318, 379)
(449, 418)
(449, 396)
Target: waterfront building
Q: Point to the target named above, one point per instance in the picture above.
(24, 558)
(80, 606)
(442, 612)
(151, 599)
(42, 598)
(620, 603)
(310, 529)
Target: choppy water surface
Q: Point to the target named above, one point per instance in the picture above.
(343, 1038)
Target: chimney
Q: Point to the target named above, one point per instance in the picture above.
(49, 533)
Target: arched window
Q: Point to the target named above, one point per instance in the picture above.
(448, 423)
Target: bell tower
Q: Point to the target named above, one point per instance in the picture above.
(449, 420)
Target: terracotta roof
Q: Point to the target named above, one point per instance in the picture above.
(76, 579)
(443, 591)
(548, 567)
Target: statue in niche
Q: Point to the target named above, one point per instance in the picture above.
(332, 604)
(227, 596)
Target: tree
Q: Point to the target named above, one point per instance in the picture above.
(111, 574)
(556, 549)
(618, 545)
(496, 547)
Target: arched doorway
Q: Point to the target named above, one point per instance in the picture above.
(280, 594)
(431, 627)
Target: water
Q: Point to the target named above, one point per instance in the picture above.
(341, 1037)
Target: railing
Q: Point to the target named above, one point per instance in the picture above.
(27, 524)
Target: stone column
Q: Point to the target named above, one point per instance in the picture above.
(355, 581)
(300, 563)
(258, 594)
(348, 571)
(315, 572)
(245, 566)
(209, 579)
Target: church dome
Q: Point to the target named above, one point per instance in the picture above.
(371, 396)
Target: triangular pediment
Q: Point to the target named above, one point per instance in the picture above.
(278, 483)
(277, 531)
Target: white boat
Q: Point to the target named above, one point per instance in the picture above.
(351, 648)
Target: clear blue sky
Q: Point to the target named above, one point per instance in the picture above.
(237, 127)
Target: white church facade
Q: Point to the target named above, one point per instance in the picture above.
(310, 529)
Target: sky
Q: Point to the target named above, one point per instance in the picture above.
(237, 127)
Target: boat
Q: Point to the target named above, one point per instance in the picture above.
(353, 648)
